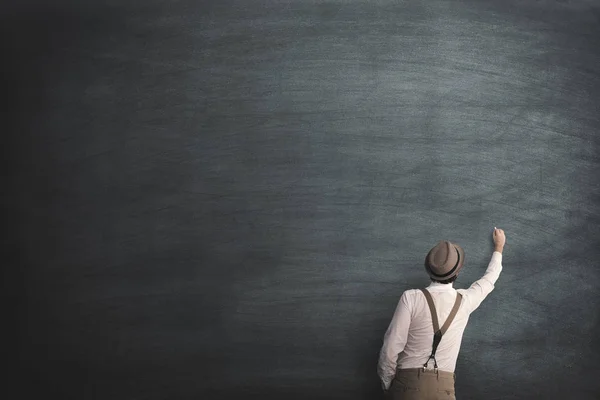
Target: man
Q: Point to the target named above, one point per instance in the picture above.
(409, 345)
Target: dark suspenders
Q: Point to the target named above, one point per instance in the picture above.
(437, 332)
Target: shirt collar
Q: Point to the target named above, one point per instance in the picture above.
(440, 286)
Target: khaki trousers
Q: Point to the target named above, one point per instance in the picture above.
(417, 384)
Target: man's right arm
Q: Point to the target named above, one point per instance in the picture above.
(484, 286)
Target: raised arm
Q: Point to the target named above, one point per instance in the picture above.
(479, 290)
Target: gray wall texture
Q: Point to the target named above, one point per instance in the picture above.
(226, 199)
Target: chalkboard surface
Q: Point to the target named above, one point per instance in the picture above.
(226, 199)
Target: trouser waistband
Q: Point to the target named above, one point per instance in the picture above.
(419, 371)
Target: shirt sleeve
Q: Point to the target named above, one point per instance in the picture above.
(484, 286)
(394, 341)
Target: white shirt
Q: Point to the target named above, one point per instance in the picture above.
(409, 338)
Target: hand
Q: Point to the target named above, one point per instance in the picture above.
(499, 238)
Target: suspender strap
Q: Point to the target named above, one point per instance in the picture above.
(437, 332)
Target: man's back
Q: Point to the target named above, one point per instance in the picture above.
(420, 334)
(408, 341)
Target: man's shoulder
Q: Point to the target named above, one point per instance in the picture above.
(411, 292)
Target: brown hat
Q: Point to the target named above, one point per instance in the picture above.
(444, 261)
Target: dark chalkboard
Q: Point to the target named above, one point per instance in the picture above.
(226, 199)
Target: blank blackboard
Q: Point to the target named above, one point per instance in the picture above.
(226, 199)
